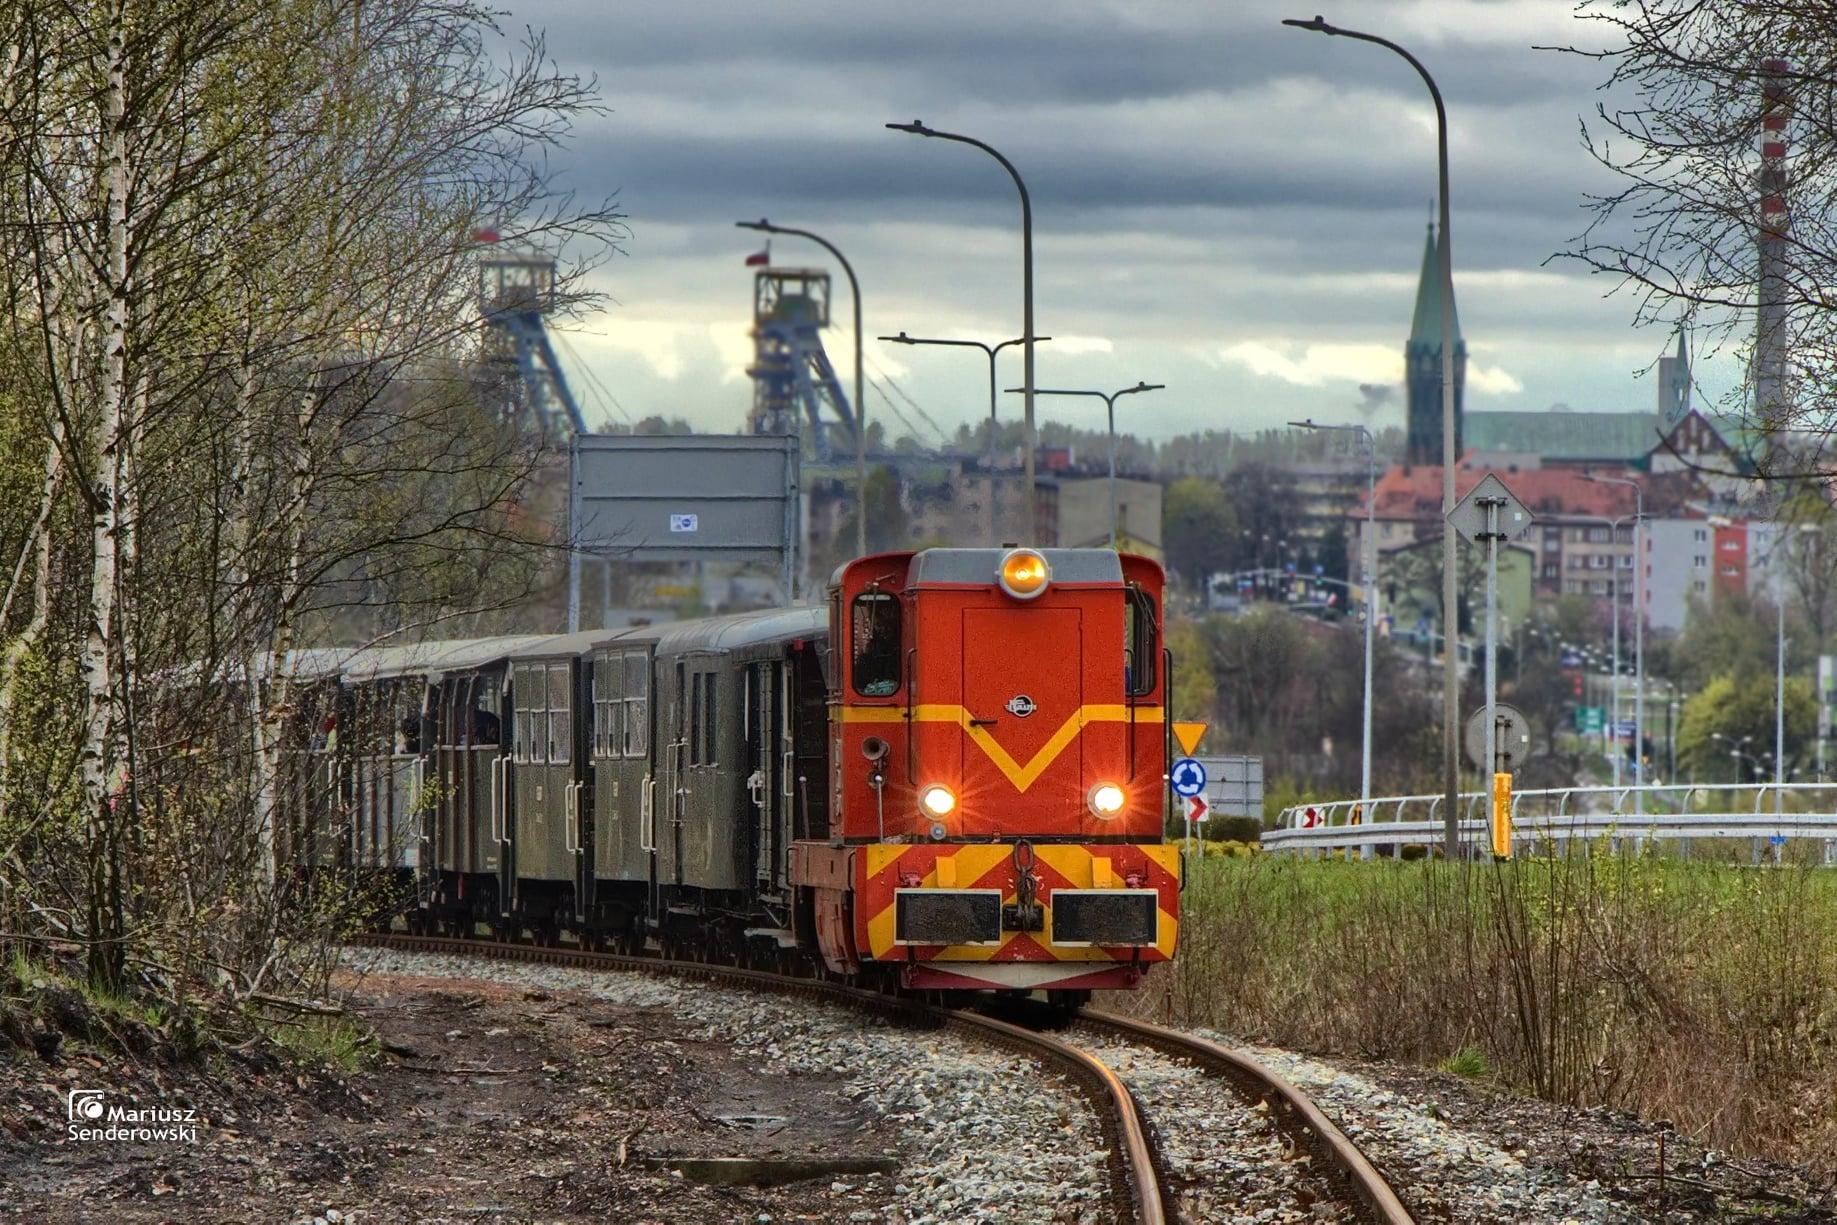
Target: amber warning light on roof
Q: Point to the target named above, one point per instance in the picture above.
(1024, 573)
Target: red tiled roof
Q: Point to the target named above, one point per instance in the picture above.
(1415, 493)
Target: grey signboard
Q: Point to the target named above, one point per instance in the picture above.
(685, 497)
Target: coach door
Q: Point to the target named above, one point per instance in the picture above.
(771, 765)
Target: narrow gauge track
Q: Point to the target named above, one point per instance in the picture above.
(1292, 1111)
(1134, 1172)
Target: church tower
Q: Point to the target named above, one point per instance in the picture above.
(1422, 365)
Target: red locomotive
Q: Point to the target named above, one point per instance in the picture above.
(999, 771)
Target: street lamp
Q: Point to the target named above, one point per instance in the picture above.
(854, 289)
(918, 128)
(1368, 552)
(1613, 716)
(991, 350)
(1639, 630)
(1451, 688)
(1775, 563)
(1109, 399)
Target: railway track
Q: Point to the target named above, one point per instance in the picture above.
(1335, 1157)
(1137, 1170)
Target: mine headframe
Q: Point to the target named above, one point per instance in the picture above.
(795, 388)
(521, 379)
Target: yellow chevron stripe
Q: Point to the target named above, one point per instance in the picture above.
(1022, 776)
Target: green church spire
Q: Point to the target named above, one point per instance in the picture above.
(1426, 327)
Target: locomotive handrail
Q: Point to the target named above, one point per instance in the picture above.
(911, 740)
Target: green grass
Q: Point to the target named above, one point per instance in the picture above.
(1701, 992)
(336, 1041)
(1469, 1063)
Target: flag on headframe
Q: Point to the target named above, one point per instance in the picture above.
(760, 259)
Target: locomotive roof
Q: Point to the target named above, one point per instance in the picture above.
(980, 565)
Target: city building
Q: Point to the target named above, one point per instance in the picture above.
(1422, 365)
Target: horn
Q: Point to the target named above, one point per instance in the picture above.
(874, 748)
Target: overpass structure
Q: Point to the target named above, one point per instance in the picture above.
(1769, 819)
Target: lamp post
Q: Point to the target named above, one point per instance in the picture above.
(1639, 631)
(991, 351)
(854, 289)
(1451, 691)
(918, 128)
(1613, 712)
(1109, 399)
(1777, 562)
(1368, 552)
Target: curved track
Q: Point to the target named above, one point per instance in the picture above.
(1292, 1110)
(1135, 1177)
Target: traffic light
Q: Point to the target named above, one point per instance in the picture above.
(1575, 684)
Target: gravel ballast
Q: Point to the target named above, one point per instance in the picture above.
(986, 1135)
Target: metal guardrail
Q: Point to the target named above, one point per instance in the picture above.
(1758, 812)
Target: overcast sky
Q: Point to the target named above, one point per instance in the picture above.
(1223, 205)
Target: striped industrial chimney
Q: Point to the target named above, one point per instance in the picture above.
(1770, 336)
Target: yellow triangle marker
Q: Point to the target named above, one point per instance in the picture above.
(1188, 735)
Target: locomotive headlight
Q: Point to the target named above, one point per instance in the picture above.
(1024, 573)
(937, 800)
(1106, 799)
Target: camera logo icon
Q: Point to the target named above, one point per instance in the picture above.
(86, 1105)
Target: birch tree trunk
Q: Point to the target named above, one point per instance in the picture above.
(97, 758)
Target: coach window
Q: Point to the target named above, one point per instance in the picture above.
(531, 696)
(637, 695)
(485, 728)
(875, 637)
(607, 677)
(561, 715)
(708, 718)
(1140, 647)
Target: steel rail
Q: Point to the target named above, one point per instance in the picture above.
(1291, 1109)
(1135, 1178)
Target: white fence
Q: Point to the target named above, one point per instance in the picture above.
(1766, 816)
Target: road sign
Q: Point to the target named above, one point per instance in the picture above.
(1310, 818)
(1590, 720)
(1188, 735)
(1197, 809)
(1624, 729)
(1777, 839)
(1235, 785)
(1188, 777)
(1469, 515)
(1514, 737)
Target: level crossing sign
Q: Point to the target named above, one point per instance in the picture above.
(1188, 777)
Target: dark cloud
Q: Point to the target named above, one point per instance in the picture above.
(1200, 175)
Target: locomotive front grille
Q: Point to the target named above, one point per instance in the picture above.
(947, 916)
(1105, 917)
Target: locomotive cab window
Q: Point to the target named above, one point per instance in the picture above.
(875, 634)
(1140, 646)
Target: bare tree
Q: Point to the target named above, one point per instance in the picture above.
(1717, 120)
(237, 356)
